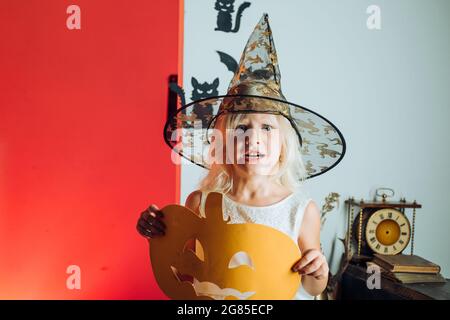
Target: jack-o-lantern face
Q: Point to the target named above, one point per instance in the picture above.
(208, 258)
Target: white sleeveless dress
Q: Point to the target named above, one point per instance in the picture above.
(285, 215)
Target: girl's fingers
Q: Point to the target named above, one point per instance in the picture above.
(143, 232)
(150, 222)
(148, 233)
(148, 225)
(155, 212)
(312, 267)
(320, 273)
(156, 222)
(306, 259)
(146, 215)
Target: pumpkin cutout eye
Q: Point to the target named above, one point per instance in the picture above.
(240, 258)
(195, 246)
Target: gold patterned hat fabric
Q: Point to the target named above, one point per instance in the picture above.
(255, 87)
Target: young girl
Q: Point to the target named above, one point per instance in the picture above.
(255, 158)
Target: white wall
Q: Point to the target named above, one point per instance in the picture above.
(387, 91)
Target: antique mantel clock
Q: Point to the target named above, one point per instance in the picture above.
(381, 226)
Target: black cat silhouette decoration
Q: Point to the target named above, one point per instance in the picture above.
(203, 90)
(224, 19)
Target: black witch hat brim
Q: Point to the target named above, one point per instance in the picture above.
(322, 144)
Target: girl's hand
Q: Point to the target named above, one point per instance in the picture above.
(150, 223)
(313, 263)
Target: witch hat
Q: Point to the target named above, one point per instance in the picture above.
(256, 87)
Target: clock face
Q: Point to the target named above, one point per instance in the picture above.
(388, 231)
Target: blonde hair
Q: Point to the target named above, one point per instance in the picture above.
(291, 172)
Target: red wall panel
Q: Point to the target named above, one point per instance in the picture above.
(81, 146)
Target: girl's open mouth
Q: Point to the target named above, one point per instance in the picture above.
(254, 155)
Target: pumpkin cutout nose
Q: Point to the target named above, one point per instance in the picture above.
(181, 277)
(240, 258)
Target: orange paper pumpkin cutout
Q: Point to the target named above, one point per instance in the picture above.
(208, 258)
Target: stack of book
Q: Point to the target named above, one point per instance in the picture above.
(408, 269)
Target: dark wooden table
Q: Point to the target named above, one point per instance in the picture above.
(354, 287)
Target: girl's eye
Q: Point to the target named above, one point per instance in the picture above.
(241, 127)
(267, 127)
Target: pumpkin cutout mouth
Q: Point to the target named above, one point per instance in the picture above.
(210, 289)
